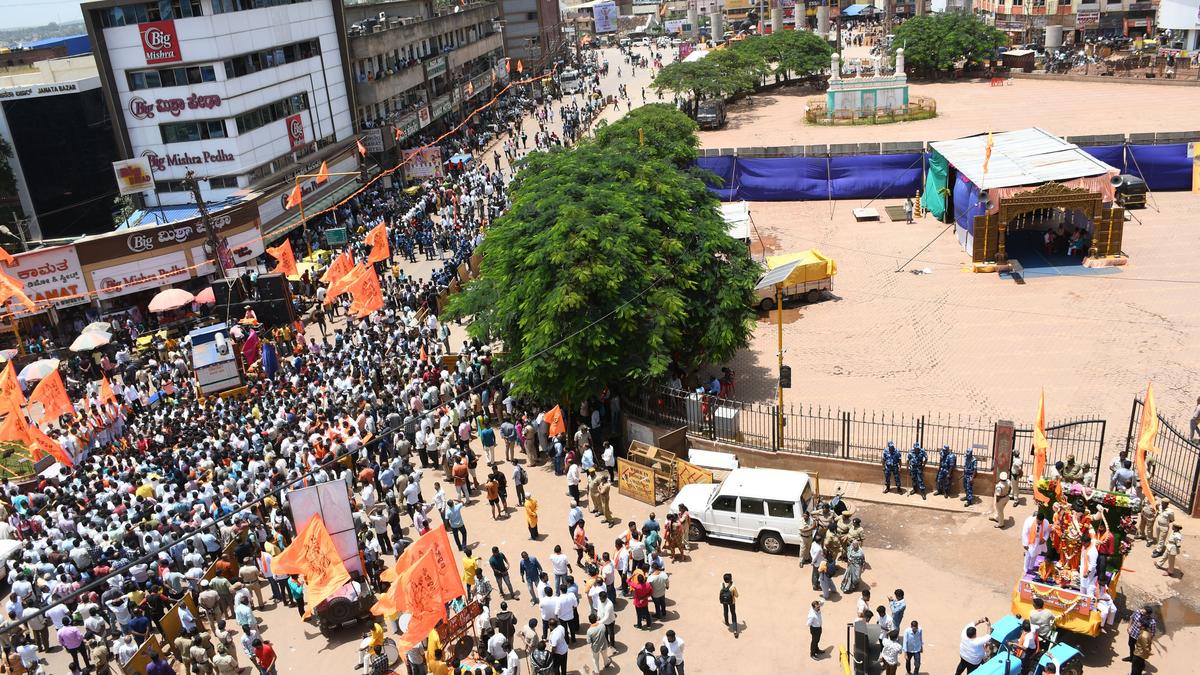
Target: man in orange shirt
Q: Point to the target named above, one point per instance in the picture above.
(460, 472)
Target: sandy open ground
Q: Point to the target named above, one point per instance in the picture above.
(968, 108)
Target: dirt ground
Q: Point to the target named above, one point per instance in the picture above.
(968, 108)
(952, 342)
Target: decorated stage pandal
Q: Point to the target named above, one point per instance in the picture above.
(1074, 510)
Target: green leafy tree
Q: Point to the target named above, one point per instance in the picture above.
(936, 43)
(612, 262)
(793, 53)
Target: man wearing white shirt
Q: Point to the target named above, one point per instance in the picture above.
(814, 629)
(558, 646)
(674, 647)
(1034, 535)
(1087, 566)
(608, 616)
(548, 606)
(565, 612)
(971, 646)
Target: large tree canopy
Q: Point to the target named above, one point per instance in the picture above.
(934, 43)
(612, 261)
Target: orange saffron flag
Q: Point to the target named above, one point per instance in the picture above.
(12, 288)
(362, 149)
(520, 66)
(313, 555)
(367, 294)
(106, 391)
(434, 544)
(52, 394)
(1040, 446)
(294, 198)
(10, 388)
(323, 173)
(6, 258)
(339, 268)
(378, 240)
(554, 419)
(287, 259)
(987, 153)
(1147, 430)
(40, 443)
(343, 283)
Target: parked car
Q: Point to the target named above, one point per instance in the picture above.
(711, 114)
(763, 506)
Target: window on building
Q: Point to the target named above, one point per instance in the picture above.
(185, 132)
(223, 183)
(270, 113)
(170, 77)
(170, 186)
(226, 6)
(130, 15)
(246, 64)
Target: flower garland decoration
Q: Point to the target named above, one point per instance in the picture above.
(1056, 598)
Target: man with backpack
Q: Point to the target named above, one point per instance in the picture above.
(645, 660)
(519, 479)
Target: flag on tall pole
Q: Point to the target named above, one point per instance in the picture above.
(323, 173)
(1147, 430)
(1040, 446)
(362, 149)
(287, 259)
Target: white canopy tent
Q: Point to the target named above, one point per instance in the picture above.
(1023, 157)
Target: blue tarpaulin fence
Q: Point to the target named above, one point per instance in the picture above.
(767, 179)
(787, 179)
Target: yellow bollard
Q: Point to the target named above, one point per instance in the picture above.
(918, 210)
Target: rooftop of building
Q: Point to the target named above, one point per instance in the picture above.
(51, 71)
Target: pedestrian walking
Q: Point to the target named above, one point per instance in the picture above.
(728, 598)
(914, 644)
(814, 622)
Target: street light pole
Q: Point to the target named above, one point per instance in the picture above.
(210, 232)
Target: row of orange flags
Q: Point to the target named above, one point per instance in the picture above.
(296, 196)
(424, 579)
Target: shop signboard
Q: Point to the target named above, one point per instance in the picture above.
(456, 95)
(336, 236)
(408, 125)
(139, 275)
(50, 275)
(441, 106)
(1087, 20)
(424, 117)
(435, 67)
(146, 240)
(243, 247)
(373, 140)
(160, 43)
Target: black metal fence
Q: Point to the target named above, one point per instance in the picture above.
(812, 430)
(1083, 439)
(1175, 468)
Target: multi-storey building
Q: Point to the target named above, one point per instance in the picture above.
(416, 69)
(246, 93)
(533, 30)
(1025, 21)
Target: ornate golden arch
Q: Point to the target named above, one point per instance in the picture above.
(1107, 224)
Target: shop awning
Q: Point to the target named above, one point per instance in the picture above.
(317, 205)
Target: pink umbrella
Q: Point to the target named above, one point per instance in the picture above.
(172, 298)
(206, 297)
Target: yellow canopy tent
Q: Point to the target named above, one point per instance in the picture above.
(812, 265)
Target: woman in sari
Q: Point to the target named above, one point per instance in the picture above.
(855, 559)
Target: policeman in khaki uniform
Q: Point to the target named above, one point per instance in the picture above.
(807, 527)
(1162, 527)
(602, 489)
(1146, 522)
(1174, 543)
(1002, 492)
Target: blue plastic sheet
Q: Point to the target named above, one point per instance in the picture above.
(876, 176)
(1163, 167)
(782, 179)
(1112, 155)
(967, 204)
(723, 167)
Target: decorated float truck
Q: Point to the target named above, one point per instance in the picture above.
(1074, 510)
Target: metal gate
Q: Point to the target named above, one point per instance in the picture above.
(1175, 468)
(1082, 438)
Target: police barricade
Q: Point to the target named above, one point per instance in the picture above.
(172, 627)
(136, 665)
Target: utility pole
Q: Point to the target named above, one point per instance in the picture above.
(210, 233)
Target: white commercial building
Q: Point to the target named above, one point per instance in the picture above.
(246, 93)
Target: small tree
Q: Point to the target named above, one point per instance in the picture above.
(935, 43)
(798, 53)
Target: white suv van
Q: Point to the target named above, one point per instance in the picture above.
(763, 506)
